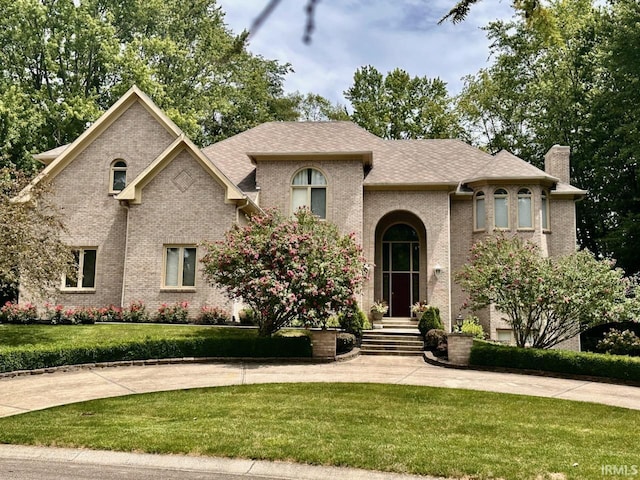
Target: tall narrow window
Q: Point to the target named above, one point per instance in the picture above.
(83, 275)
(544, 211)
(118, 178)
(479, 211)
(525, 210)
(501, 208)
(180, 267)
(309, 189)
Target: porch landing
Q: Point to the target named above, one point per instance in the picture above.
(398, 336)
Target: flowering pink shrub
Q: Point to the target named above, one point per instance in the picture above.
(287, 268)
(174, 313)
(18, 313)
(212, 316)
(136, 313)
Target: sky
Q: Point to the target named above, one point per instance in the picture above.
(386, 34)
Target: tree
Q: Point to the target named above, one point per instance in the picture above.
(63, 62)
(399, 106)
(31, 253)
(287, 269)
(316, 108)
(544, 300)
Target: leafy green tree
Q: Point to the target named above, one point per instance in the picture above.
(399, 106)
(63, 62)
(287, 269)
(316, 108)
(544, 300)
(31, 253)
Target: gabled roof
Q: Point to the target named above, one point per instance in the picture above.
(506, 166)
(133, 191)
(50, 155)
(69, 152)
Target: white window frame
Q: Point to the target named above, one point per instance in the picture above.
(80, 272)
(117, 168)
(544, 211)
(477, 197)
(309, 188)
(500, 196)
(525, 194)
(180, 267)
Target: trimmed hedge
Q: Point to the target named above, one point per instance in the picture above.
(33, 357)
(560, 361)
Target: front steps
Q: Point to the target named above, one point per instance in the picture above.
(398, 336)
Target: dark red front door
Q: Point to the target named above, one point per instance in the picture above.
(401, 295)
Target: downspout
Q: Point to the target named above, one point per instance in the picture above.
(125, 204)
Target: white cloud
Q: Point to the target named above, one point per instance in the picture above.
(387, 34)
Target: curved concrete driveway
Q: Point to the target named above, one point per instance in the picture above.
(34, 392)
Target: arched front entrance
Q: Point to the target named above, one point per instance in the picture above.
(401, 261)
(400, 269)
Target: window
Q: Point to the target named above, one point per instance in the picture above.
(180, 267)
(504, 336)
(84, 270)
(525, 212)
(501, 208)
(309, 189)
(479, 211)
(118, 178)
(544, 211)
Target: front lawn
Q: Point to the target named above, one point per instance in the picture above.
(421, 430)
(24, 347)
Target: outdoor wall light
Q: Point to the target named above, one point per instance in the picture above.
(437, 269)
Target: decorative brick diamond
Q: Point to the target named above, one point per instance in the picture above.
(183, 181)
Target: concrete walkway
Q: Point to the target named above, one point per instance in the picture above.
(34, 392)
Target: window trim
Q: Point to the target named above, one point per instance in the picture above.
(309, 188)
(504, 196)
(179, 287)
(80, 273)
(479, 195)
(529, 195)
(113, 168)
(544, 212)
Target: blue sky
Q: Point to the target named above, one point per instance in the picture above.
(383, 33)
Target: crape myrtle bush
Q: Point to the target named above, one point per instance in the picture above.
(32, 357)
(561, 361)
(287, 269)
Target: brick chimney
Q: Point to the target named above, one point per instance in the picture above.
(556, 163)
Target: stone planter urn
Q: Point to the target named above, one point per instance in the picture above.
(459, 348)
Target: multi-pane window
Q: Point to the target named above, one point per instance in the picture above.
(180, 267)
(525, 209)
(544, 210)
(501, 208)
(83, 274)
(118, 178)
(479, 211)
(309, 189)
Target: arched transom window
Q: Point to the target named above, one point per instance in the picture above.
(118, 177)
(309, 189)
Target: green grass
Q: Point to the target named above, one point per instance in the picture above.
(412, 429)
(60, 336)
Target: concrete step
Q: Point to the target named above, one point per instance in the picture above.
(400, 332)
(383, 351)
(393, 341)
(407, 341)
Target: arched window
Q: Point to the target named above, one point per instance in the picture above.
(309, 189)
(544, 211)
(479, 212)
(501, 208)
(118, 179)
(525, 209)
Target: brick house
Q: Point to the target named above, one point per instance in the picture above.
(137, 197)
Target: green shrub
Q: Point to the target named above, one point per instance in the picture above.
(212, 316)
(471, 325)
(561, 361)
(620, 343)
(354, 320)
(429, 320)
(345, 342)
(42, 356)
(135, 313)
(436, 341)
(247, 316)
